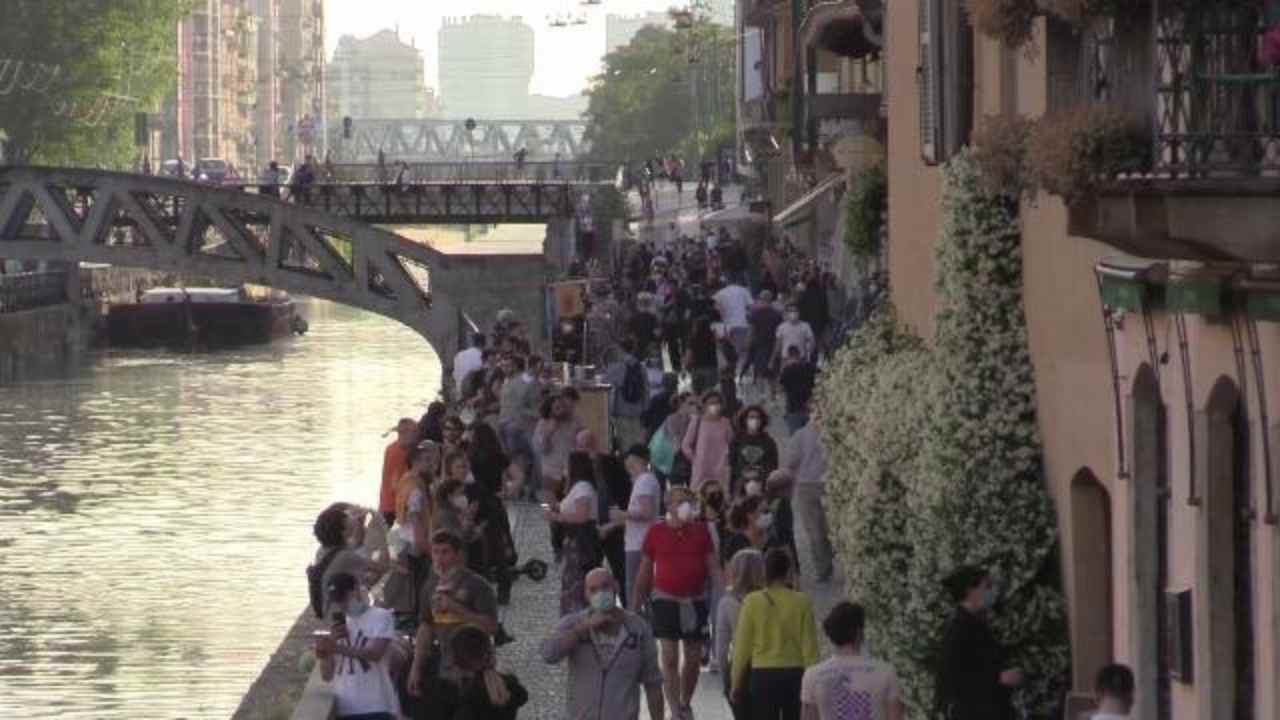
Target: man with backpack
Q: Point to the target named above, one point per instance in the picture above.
(630, 395)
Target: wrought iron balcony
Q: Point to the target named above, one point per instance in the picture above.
(1199, 72)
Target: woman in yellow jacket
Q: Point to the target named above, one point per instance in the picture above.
(776, 639)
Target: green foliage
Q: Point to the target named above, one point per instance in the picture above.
(864, 208)
(87, 66)
(936, 459)
(652, 100)
(608, 204)
(1069, 152)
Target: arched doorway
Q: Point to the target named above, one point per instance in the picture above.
(1148, 543)
(1226, 552)
(1091, 571)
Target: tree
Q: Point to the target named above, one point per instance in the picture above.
(668, 91)
(73, 74)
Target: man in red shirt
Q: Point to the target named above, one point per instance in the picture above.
(679, 558)
(395, 463)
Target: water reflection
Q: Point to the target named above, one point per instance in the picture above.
(156, 509)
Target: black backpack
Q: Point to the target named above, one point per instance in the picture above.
(315, 576)
(634, 385)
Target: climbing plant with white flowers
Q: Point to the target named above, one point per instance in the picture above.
(936, 461)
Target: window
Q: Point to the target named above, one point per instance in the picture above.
(945, 79)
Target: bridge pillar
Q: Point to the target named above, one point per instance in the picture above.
(560, 246)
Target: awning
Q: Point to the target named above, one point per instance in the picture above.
(733, 216)
(801, 210)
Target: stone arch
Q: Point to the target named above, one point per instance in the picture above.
(1147, 541)
(1091, 568)
(1224, 604)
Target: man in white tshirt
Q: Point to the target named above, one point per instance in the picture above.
(467, 361)
(356, 657)
(794, 332)
(1114, 689)
(642, 509)
(734, 302)
(849, 685)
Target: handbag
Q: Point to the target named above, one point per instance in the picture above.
(662, 453)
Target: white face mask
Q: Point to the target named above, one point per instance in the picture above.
(753, 487)
(459, 501)
(753, 424)
(764, 521)
(685, 511)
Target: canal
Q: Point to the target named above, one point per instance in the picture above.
(156, 510)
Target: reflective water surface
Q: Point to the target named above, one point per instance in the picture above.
(156, 510)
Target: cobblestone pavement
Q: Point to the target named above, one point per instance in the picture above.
(534, 611)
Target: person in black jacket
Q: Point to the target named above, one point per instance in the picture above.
(483, 692)
(975, 681)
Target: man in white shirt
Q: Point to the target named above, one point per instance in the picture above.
(356, 657)
(734, 302)
(850, 685)
(468, 361)
(1115, 692)
(642, 508)
(794, 332)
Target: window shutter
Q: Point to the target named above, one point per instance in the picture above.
(929, 80)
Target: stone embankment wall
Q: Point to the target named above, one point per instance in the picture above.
(35, 340)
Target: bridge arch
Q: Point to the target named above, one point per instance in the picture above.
(171, 225)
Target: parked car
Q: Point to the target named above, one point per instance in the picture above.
(213, 170)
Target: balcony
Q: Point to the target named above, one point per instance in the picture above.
(1199, 73)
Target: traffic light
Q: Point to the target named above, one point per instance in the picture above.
(346, 127)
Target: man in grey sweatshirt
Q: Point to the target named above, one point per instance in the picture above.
(611, 653)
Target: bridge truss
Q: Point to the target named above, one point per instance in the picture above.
(227, 235)
(425, 140)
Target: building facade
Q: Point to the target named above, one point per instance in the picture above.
(214, 112)
(377, 77)
(486, 65)
(302, 79)
(1151, 306)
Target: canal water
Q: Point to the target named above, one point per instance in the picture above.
(156, 510)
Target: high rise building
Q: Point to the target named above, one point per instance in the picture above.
(376, 77)
(486, 65)
(302, 91)
(266, 129)
(214, 110)
(619, 29)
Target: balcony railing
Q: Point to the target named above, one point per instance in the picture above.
(1217, 104)
(28, 291)
(1195, 69)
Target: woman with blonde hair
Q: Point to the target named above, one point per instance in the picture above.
(743, 574)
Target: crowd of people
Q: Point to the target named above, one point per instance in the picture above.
(674, 536)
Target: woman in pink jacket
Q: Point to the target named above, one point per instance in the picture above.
(706, 443)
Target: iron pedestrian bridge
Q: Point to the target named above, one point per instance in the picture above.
(433, 139)
(324, 245)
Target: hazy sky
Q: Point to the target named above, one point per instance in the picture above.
(565, 57)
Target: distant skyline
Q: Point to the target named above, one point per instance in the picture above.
(565, 58)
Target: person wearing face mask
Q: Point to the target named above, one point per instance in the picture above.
(754, 453)
(975, 680)
(748, 527)
(678, 566)
(610, 654)
(707, 441)
(793, 333)
(356, 656)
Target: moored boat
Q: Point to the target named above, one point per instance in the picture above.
(202, 317)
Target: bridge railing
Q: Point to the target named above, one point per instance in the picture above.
(478, 171)
(28, 291)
